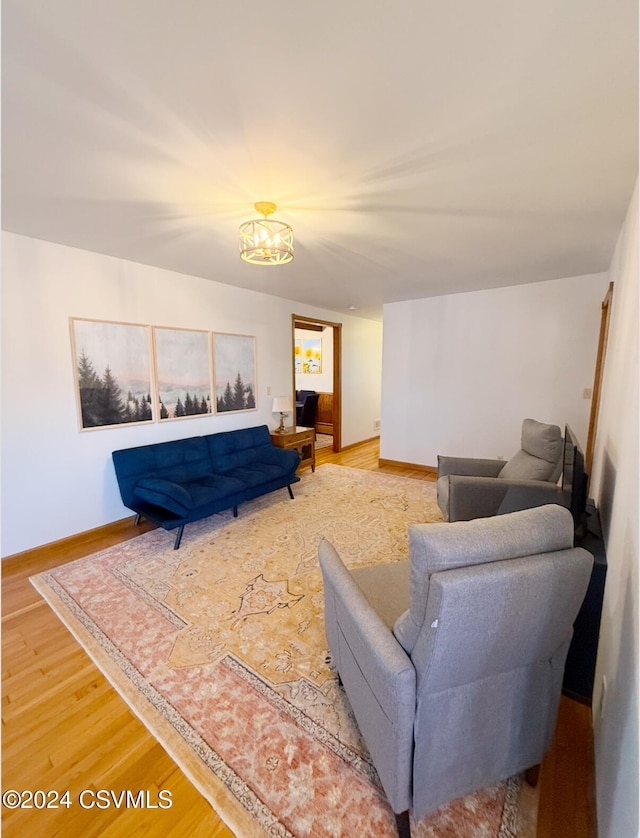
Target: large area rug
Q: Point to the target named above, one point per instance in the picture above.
(219, 648)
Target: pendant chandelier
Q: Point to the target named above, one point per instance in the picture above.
(265, 241)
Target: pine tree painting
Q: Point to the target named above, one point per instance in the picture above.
(235, 372)
(113, 378)
(183, 370)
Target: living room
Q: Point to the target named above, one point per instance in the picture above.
(446, 372)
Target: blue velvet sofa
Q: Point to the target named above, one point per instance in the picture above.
(174, 483)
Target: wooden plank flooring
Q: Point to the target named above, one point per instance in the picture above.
(65, 728)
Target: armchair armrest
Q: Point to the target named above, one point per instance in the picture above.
(377, 674)
(471, 466)
(483, 497)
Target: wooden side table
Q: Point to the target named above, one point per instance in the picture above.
(302, 439)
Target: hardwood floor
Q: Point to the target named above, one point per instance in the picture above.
(65, 728)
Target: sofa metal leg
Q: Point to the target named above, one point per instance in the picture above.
(178, 537)
(404, 824)
(290, 491)
(136, 520)
(235, 511)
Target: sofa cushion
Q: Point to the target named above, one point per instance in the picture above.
(236, 448)
(246, 457)
(222, 484)
(186, 472)
(256, 474)
(202, 495)
(179, 452)
(183, 498)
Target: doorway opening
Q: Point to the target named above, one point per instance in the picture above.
(317, 353)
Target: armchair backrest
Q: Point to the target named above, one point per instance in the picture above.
(439, 547)
(540, 454)
(489, 625)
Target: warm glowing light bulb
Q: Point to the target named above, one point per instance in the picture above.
(266, 241)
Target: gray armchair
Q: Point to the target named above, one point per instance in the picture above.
(476, 488)
(453, 660)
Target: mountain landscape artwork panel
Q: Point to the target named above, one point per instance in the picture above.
(183, 372)
(234, 361)
(112, 366)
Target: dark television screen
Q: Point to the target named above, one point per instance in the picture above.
(574, 478)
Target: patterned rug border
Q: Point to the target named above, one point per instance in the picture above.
(154, 712)
(209, 773)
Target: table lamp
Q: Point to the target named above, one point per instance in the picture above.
(281, 405)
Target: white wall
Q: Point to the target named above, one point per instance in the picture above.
(614, 485)
(57, 480)
(361, 388)
(461, 372)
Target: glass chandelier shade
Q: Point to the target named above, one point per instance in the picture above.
(265, 241)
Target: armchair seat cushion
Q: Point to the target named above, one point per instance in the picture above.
(386, 589)
(523, 466)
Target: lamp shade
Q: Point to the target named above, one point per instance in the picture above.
(282, 404)
(265, 241)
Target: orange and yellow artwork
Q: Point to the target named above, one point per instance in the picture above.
(308, 355)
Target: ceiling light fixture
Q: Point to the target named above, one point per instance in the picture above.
(265, 241)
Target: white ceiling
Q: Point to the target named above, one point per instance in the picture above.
(417, 148)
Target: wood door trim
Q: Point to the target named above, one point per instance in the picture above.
(597, 379)
(300, 320)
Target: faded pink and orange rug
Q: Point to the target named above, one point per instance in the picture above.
(219, 648)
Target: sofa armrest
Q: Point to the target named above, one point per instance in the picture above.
(287, 458)
(165, 494)
(377, 674)
(472, 466)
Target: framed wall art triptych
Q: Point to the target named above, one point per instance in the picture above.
(127, 373)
